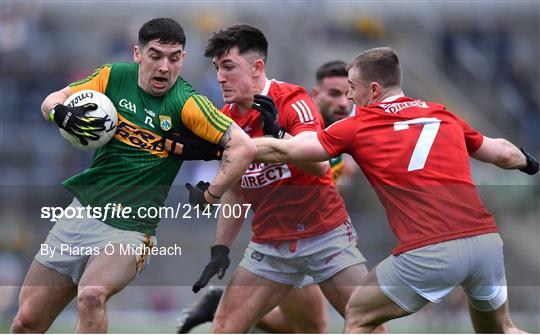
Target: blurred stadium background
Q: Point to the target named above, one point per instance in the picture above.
(480, 58)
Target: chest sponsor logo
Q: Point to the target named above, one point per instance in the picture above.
(262, 174)
(135, 136)
(396, 107)
(165, 122)
(130, 106)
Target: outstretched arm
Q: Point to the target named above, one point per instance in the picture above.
(315, 168)
(304, 147)
(505, 155)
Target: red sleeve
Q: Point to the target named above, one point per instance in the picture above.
(299, 113)
(339, 137)
(473, 138)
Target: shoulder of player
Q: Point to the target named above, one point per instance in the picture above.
(121, 67)
(353, 121)
(182, 91)
(119, 72)
(285, 94)
(280, 90)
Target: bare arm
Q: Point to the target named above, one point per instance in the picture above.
(239, 151)
(500, 152)
(305, 148)
(228, 227)
(52, 99)
(315, 168)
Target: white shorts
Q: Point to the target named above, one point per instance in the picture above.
(417, 277)
(319, 257)
(75, 240)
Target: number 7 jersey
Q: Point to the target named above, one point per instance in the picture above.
(415, 154)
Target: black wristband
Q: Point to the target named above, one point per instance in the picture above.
(280, 133)
(532, 164)
(210, 194)
(219, 249)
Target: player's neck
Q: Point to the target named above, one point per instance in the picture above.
(260, 86)
(390, 93)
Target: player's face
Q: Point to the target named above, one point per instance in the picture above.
(358, 90)
(331, 96)
(235, 75)
(159, 66)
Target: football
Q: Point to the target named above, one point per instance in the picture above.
(105, 110)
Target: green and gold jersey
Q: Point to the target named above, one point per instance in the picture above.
(336, 165)
(134, 169)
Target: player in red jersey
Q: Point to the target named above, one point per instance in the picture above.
(330, 95)
(300, 226)
(415, 154)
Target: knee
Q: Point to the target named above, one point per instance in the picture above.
(357, 320)
(91, 298)
(228, 324)
(28, 322)
(220, 325)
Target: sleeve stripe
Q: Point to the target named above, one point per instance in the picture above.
(303, 111)
(214, 118)
(209, 109)
(308, 110)
(300, 116)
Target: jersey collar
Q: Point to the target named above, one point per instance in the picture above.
(266, 87)
(393, 98)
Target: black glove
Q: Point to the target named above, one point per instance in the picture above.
(75, 122)
(190, 147)
(266, 106)
(532, 163)
(196, 193)
(219, 262)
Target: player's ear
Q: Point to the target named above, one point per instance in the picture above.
(375, 88)
(182, 56)
(136, 54)
(258, 67)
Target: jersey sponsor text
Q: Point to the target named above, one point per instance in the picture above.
(262, 174)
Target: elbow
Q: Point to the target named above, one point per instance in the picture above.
(505, 160)
(322, 169)
(249, 149)
(509, 156)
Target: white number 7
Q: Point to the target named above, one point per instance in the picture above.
(423, 145)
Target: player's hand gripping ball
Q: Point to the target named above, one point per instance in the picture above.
(87, 119)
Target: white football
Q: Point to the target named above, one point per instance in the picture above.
(105, 110)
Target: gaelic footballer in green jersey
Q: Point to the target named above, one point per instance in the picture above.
(124, 170)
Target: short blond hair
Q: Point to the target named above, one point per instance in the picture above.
(380, 65)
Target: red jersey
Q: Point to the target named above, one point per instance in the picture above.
(288, 203)
(415, 154)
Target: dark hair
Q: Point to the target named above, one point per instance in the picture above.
(380, 65)
(335, 68)
(166, 30)
(245, 37)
